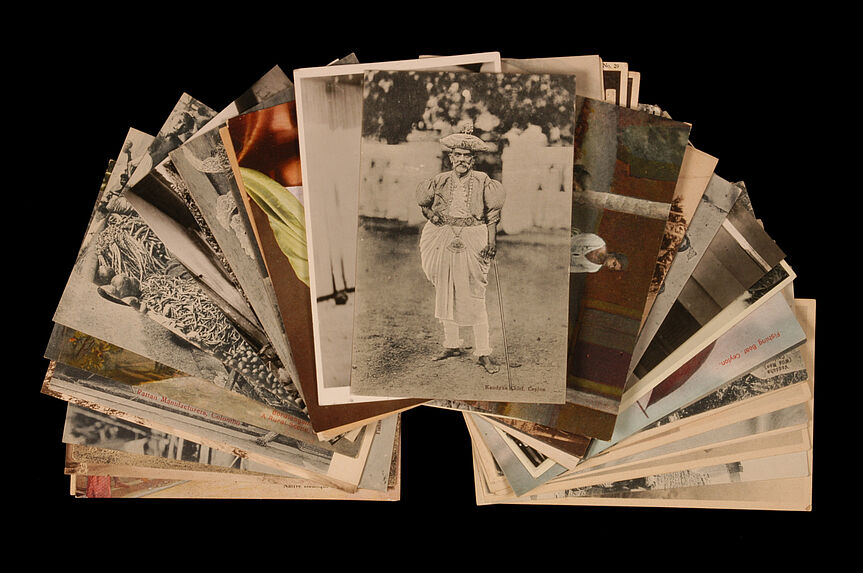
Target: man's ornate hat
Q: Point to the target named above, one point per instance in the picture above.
(464, 140)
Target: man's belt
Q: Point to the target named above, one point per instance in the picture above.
(458, 221)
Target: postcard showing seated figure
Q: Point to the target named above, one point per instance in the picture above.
(463, 236)
(329, 116)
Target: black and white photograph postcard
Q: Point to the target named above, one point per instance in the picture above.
(329, 116)
(129, 290)
(83, 306)
(162, 197)
(126, 448)
(464, 211)
(203, 164)
(187, 117)
(693, 74)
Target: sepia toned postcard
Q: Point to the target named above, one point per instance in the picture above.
(782, 382)
(530, 438)
(329, 116)
(128, 290)
(382, 460)
(154, 488)
(696, 172)
(100, 439)
(463, 240)
(784, 441)
(150, 378)
(775, 284)
(740, 257)
(207, 427)
(520, 478)
(103, 442)
(99, 473)
(768, 332)
(163, 200)
(203, 165)
(716, 202)
(775, 482)
(83, 304)
(788, 419)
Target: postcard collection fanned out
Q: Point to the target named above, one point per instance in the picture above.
(264, 290)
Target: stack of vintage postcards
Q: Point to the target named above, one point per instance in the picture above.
(264, 290)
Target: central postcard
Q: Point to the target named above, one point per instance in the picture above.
(463, 244)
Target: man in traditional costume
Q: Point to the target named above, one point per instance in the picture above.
(458, 243)
(588, 254)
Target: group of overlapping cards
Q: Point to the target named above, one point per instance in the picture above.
(264, 290)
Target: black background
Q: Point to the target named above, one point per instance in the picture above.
(757, 94)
